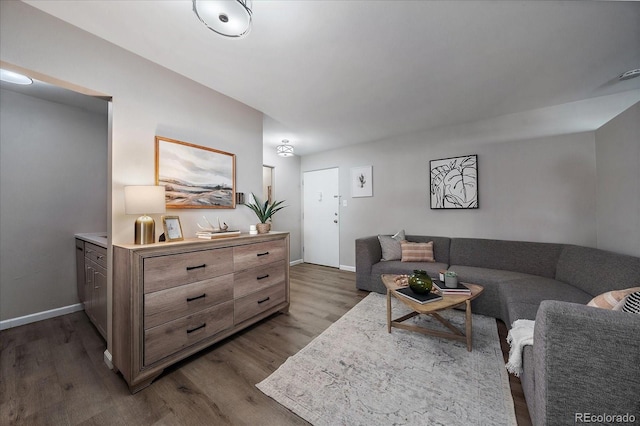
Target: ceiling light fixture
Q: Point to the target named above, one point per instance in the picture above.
(629, 74)
(285, 150)
(230, 18)
(14, 77)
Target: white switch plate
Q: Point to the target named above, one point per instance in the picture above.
(344, 203)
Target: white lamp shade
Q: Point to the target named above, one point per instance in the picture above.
(140, 199)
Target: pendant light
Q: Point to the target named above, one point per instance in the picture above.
(230, 18)
(285, 150)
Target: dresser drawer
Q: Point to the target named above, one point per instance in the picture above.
(169, 338)
(96, 253)
(167, 305)
(252, 255)
(256, 279)
(176, 269)
(256, 303)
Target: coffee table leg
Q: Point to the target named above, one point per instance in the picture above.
(388, 310)
(469, 325)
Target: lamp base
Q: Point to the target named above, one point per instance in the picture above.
(145, 230)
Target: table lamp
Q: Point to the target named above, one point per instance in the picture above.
(144, 200)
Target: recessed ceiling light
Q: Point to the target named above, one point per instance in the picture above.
(14, 77)
(629, 74)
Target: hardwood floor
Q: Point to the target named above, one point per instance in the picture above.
(52, 372)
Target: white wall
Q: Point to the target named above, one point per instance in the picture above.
(618, 167)
(148, 100)
(53, 168)
(534, 190)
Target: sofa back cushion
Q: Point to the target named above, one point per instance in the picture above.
(440, 246)
(518, 256)
(596, 271)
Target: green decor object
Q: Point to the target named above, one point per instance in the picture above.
(420, 282)
(264, 211)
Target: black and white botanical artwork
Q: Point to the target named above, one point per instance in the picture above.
(361, 181)
(454, 183)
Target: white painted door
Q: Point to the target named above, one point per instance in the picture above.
(321, 221)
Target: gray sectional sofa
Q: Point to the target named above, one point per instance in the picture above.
(584, 359)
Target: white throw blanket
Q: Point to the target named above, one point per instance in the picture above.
(520, 335)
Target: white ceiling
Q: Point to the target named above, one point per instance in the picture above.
(332, 73)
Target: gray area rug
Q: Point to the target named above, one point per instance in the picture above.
(355, 373)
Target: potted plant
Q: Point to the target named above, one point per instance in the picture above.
(450, 279)
(264, 211)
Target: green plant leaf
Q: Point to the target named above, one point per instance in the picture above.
(264, 211)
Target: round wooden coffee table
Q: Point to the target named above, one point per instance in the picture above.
(432, 308)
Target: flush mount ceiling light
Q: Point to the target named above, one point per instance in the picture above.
(14, 77)
(629, 75)
(230, 18)
(285, 150)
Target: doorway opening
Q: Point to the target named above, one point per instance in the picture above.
(267, 183)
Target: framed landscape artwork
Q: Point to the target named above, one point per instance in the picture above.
(195, 177)
(454, 182)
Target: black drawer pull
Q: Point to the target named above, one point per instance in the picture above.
(191, 299)
(191, 268)
(263, 300)
(262, 277)
(197, 328)
(79, 248)
(263, 254)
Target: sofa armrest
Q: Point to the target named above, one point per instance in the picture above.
(585, 363)
(368, 253)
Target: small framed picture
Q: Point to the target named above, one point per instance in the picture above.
(172, 228)
(361, 182)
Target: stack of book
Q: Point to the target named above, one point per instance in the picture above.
(461, 289)
(205, 235)
(419, 298)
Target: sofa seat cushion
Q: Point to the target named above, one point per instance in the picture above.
(529, 292)
(488, 303)
(520, 310)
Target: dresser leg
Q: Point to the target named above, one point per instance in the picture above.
(141, 385)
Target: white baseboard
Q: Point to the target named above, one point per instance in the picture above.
(108, 359)
(39, 316)
(296, 262)
(347, 268)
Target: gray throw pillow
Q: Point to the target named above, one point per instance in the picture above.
(391, 249)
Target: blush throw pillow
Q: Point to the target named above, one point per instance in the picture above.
(611, 299)
(391, 246)
(417, 252)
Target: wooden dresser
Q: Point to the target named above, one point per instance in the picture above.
(171, 300)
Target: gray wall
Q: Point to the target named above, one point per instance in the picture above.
(53, 183)
(148, 100)
(536, 190)
(618, 166)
